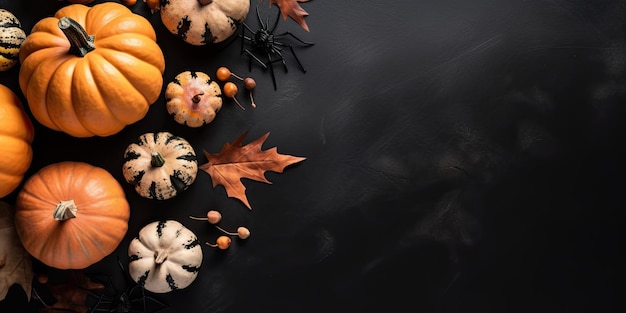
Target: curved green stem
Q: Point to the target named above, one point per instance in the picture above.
(157, 159)
(81, 43)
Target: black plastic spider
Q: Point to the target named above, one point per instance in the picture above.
(132, 299)
(265, 42)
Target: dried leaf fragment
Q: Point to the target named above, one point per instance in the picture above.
(292, 9)
(15, 262)
(72, 295)
(237, 161)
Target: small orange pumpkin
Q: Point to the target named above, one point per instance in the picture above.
(70, 215)
(90, 71)
(16, 136)
(193, 98)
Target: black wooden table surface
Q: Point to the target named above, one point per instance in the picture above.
(462, 156)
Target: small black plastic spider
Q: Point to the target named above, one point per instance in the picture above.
(265, 42)
(132, 299)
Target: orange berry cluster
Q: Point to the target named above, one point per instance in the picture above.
(230, 89)
(224, 241)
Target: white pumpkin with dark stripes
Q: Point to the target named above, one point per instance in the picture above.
(201, 22)
(160, 165)
(164, 257)
(11, 38)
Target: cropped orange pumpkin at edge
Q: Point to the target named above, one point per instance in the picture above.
(16, 136)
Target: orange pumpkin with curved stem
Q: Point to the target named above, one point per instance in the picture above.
(91, 71)
(70, 215)
(16, 137)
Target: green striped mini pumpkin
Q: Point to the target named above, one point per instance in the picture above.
(164, 257)
(160, 165)
(11, 37)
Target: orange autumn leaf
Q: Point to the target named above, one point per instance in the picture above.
(292, 9)
(237, 161)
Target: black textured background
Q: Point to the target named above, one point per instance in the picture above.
(462, 156)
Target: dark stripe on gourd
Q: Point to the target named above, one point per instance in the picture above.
(131, 155)
(207, 36)
(183, 27)
(159, 228)
(187, 157)
(171, 138)
(178, 181)
(233, 22)
(143, 278)
(10, 23)
(152, 193)
(136, 180)
(170, 282)
(191, 269)
(193, 74)
(155, 137)
(133, 257)
(9, 45)
(7, 21)
(10, 56)
(194, 243)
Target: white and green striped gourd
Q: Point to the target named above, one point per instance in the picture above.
(164, 257)
(11, 38)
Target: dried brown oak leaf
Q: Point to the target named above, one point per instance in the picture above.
(15, 263)
(292, 9)
(236, 161)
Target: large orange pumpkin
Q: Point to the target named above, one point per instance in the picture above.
(16, 137)
(70, 215)
(90, 71)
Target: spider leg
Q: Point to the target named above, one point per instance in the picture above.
(308, 44)
(297, 60)
(269, 59)
(101, 300)
(293, 52)
(143, 299)
(243, 35)
(258, 16)
(281, 58)
(275, 23)
(252, 56)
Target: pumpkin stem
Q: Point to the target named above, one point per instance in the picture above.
(157, 159)
(159, 256)
(197, 98)
(65, 210)
(80, 42)
(205, 2)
